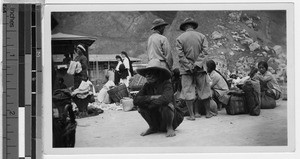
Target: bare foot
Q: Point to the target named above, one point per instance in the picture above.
(190, 118)
(213, 113)
(148, 131)
(170, 133)
(209, 115)
(197, 115)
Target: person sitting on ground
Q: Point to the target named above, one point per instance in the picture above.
(110, 74)
(155, 101)
(268, 84)
(219, 85)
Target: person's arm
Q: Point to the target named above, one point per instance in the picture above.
(167, 53)
(118, 65)
(83, 62)
(142, 99)
(205, 45)
(266, 78)
(203, 53)
(214, 79)
(187, 65)
(165, 98)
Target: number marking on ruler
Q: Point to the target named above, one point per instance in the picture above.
(10, 81)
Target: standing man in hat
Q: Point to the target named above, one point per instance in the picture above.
(79, 57)
(155, 100)
(158, 46)
(191, 48)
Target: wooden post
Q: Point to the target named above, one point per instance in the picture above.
(97, 69)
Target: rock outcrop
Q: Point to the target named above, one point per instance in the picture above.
(253, 35)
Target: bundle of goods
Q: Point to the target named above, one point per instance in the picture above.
(236, 104)
(118, 92)
(245, 99)
(127, 104)
(137, 82)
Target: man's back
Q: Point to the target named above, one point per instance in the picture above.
(191, 47)
(158, 47)
(193, 43)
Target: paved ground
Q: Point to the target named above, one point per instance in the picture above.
(122, 129)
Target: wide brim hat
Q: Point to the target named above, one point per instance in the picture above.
(155, 65)
(157, 23)
(80, 46)
(188, 21)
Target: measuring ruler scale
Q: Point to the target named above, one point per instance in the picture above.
(22, 81)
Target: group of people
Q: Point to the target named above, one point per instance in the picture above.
(156, 101)
(199, 78)
(123, 70)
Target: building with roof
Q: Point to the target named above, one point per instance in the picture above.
(100, 62)
(64, 44)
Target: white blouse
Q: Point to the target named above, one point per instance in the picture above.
(126, 63)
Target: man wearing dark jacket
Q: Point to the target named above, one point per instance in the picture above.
(155, 100)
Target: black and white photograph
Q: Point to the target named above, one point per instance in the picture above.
(181, 78)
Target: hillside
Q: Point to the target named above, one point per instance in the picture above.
(237, 39)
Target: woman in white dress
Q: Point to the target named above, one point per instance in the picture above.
(128, 67)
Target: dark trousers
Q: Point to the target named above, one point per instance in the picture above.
(81, 103)
(156, 119)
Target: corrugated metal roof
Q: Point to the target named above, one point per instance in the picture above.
(108, 57)
(63, 36)
(96, 57)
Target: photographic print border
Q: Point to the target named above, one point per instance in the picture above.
(47, 122)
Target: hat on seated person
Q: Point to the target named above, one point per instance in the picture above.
(155, 65)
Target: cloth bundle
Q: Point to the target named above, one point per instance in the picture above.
(84, 90)
(75, 67)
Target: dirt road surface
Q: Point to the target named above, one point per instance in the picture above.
(122, 129)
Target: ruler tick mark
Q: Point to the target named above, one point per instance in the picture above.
(12, 117)
(11, 30)
(11, 88)
(11, 146)
(13, 55)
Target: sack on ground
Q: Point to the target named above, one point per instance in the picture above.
(252, 96)
(236, 103)
(180, 104)
(267, 102)
(213, 107)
